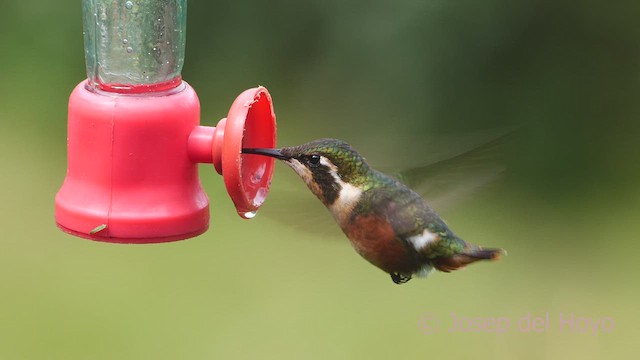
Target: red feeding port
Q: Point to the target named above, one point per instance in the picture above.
(250, 123)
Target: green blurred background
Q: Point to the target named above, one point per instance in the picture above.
(393, 78)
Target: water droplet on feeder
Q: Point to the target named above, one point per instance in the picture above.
(249, 214)
(128, 5)
(129, 49)
(125, 41)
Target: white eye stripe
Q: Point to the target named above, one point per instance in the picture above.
(333, 170)
(324, 161)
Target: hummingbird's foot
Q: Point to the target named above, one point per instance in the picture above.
(399, 278)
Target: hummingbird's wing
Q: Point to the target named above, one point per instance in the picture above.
(447, 181)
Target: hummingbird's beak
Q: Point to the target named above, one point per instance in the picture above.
(274, 153)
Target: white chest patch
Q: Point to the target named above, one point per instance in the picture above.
(423, 240)
(348, 198)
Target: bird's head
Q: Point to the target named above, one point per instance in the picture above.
(329, 167)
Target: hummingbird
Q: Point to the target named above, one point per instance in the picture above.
(387, 223)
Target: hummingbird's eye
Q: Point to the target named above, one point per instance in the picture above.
(314, 160)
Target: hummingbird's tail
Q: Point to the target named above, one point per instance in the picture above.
(485, 254)
(469, 256)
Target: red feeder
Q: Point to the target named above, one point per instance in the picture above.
(134, 145)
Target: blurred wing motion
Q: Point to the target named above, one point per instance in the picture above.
(291, 204)
(447, 182)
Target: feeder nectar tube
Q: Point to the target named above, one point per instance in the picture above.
(134, 46)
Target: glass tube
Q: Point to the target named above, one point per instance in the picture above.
(134, 46)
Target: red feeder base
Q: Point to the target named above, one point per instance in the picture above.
(132, 173)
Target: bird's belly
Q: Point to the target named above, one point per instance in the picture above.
(374, 239)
